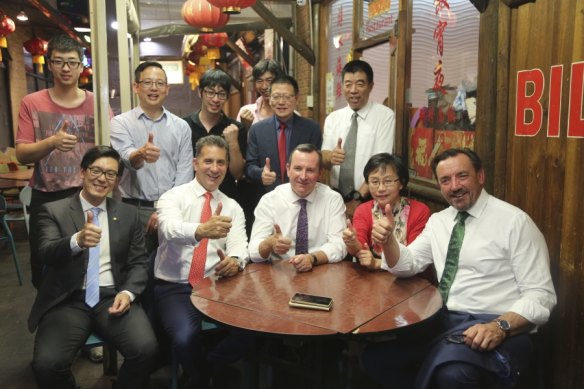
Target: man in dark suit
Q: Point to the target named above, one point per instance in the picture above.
(271, 140)
(96, 266)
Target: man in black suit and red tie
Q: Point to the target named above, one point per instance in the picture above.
(95, 268)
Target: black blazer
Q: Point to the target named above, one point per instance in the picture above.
(65, 271)
(263, 142)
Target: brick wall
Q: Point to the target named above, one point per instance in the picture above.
(302, 67)
(17, 74)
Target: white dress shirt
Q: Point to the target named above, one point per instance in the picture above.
(172, 135)
(325, 210)
(376, 134)
(503, 264)
(179, 214)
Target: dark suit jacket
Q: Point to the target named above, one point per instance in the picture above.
(65, 271)
(263, 142)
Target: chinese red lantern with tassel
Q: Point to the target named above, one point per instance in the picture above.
(232, 6)
(38, 48)
(201, 14)
(7, 27)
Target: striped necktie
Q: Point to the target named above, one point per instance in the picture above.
(92, 283)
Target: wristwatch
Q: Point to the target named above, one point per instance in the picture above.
(240, 263)
(355, 195)
(314, 260)
(504, 325)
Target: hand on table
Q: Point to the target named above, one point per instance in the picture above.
(227, 266)
(302, 262)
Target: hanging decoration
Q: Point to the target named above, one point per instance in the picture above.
(217, 39)
(232, 6)
(85, 75)
(7, 27)
(38, 48)
(201, 14)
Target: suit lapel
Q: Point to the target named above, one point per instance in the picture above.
(113, 220)
(77, 214)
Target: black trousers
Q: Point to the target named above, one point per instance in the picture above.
(63, 330)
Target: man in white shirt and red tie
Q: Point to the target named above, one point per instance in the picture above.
(301, 221)
(201, 232)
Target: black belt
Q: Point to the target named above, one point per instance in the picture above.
(139, 203)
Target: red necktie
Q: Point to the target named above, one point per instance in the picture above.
(282, 150)
(197, 271)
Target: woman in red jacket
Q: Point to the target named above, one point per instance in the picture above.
(387, 176)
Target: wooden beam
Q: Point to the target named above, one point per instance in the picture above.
(57, 18)
(185, 29)
(237, 50)
(284, 32)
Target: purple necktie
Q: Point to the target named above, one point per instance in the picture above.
(302, 229)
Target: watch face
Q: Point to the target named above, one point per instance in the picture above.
(504, 325)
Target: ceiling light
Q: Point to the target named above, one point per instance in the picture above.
(22, 16)
(114, 25)
(147, 39)
(87, 38)
(82, 29)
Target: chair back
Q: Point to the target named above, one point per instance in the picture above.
(25, 196)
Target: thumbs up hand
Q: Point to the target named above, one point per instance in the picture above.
(268, 176)
(383, 227)
(62, 140)
(365, 257)
(149, 151)
(280, 243)
(216, 227)
(90, 234)
(338, 153)
(350, 234)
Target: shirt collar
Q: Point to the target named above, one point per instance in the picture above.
(200, 190)
(310, 198)
(477, 209)
(140, 112)
(289, 122)
(364, 111)
(86, 205)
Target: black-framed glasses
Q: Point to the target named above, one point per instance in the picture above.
(149, 83)
(95, 172)
(59, 63)
(222, 95)
(387, 183)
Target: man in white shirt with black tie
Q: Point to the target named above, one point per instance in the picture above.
(276, 233)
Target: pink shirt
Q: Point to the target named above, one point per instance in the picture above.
(39, 118)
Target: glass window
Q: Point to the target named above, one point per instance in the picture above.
(443, 80)
(339, 50)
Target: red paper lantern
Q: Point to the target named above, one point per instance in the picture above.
(38, 48)
(201, 14)
(85, 74)
(217, 39)
(232, 6)
(7, 27)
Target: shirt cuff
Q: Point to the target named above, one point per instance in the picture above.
(130, 294)
(75, 249)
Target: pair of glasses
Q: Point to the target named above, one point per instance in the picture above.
(95, 172)
(222, 95)
(386, 183)
(149, 83)
(59, 63)
(286, 98)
